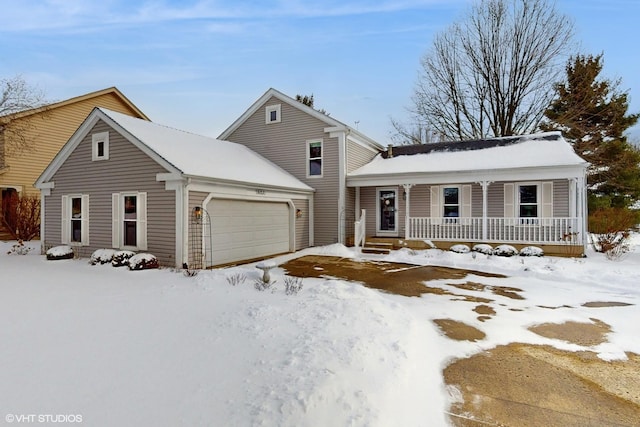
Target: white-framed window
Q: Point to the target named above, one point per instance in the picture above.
(528, 201)
(314, 158)
(100, 146)
(273, 113)
(129, 220)
(451, 203)
(75, 219)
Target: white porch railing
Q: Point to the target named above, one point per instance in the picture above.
(509, 230)
(360, 227)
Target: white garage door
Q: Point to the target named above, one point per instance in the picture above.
(243, 229)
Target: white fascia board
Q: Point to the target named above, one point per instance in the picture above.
(247, 192)
(453, 177)
(246, 185)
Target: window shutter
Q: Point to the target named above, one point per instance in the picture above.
(115, 220)
(509, 201)
(141, 214)
(465, 206)
(547, 200)
(85, 220)
(436, 210)
(65, 237)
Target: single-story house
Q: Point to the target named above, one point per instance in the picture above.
(524, 190)
(126, 183)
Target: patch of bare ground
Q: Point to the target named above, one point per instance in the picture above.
(459, 331)
(504, 291)
(397, 278)
(598, 304)
(526, 385)
(585, 334)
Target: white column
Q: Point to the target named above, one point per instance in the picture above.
(485, 209)
(407, 205)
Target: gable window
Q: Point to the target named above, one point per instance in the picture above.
(100, 146)
(75, 219)
(272, 114)
(314, 158)
(129, 220)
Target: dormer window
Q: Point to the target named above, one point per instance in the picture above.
(100, 146)
(272, 114)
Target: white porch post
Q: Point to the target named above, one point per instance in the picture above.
(485, 208)
(581, 193)
(407, 188)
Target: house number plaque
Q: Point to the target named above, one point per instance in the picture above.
(260, 192)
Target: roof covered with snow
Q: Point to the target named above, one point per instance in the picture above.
(201, 156)
(528, 151)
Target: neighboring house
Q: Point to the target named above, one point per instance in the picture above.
(315, 148)
(520, 190)
(45, 130)
(125, 183)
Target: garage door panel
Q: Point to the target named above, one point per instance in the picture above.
(244, 230)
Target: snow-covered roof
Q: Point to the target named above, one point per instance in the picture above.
(201, 156)
(528, 151)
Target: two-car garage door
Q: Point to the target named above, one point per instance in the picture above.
(247, 229)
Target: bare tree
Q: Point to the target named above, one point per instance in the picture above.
(492, 73)
(17, 96)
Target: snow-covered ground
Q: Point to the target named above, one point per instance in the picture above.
(117, 347)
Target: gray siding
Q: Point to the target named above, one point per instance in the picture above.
(127, 170)
(358, 156)
(302, 223)
(284, 144)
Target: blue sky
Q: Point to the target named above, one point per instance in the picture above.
(198, 64)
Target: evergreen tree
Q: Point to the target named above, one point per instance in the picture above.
(592, 114)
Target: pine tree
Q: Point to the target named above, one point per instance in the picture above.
(592, 114)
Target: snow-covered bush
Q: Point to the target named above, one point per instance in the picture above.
(121, 258)
(101, 256)
(531, 251)
(292, 285)
(59, 252)
(483, 248)
(19, 248)
(460, 249)
(505, 250)
(143, 261)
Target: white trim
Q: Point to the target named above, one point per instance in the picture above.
(342, 190)
(274, 108)
(66, 218)
(96, 139)
(117, 220)
(308, 143)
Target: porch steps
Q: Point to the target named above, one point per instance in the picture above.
(375, 247)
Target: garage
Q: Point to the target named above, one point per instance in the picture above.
(248, 229)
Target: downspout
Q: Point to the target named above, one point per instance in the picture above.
(342, 182)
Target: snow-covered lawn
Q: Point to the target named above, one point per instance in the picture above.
(134, 348)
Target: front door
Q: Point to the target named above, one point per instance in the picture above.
(387, 217)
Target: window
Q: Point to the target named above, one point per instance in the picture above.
(272, 114)
(314, 158)
(451, 205)
(100, 146)
(75, 219)
(528, 201)
(129, 216)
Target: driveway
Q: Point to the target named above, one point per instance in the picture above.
(510, 385)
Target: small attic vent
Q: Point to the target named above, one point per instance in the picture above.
(273, 114)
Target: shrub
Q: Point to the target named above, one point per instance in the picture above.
(292, 285)
(101, 256)
(236, 279)
(121, 258)
(143, 262)
(505, 250)
(531, 251)
(483, 248)
(19, 248)
(60, 252)
(262, 285)
(460, 249)
(611, 228)
(21, 216)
